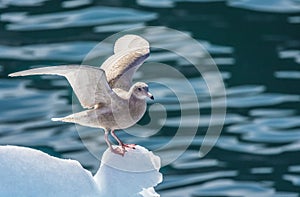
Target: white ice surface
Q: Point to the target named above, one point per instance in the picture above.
(28, 172)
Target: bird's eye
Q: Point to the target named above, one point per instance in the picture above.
(140, 89)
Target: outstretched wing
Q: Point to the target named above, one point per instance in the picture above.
(89, 83)
(130, 52)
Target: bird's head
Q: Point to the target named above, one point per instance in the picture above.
(141, 91)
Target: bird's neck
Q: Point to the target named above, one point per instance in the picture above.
(125, 94)
(130, 93)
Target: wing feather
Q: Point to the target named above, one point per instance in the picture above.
(89, 83)
(130, 52)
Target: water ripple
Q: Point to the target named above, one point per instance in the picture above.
(7, 3)
(76, 18)
(75, 3)
(185, 180)
(262, 170)
(233, 144)
(277, 6)
(194, 164)
(269, 130)
(234, 188)
(117, 27)
(31, 110)
(293, 54)
(291, 74)
(268, 136)
(294, 168)
(169, 3)
(266, 99)
(228, 187)
(67, 51)
(295, 179)
(188, 121)
(245, 90)
(271, 112)
(279, 123)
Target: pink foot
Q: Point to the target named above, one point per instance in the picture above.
(118, 150)
(131, 146)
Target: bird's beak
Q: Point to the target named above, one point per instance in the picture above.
(150, 96)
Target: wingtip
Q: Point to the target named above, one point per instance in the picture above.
(12, 75)
(15, 74)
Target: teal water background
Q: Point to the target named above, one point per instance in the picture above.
(255, 44)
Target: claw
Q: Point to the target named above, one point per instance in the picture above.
(131, 146)
(118, 151)
(121, 149)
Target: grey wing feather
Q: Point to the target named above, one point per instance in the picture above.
(130, 53)
(89, 83)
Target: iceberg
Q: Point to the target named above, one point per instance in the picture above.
(29, 172)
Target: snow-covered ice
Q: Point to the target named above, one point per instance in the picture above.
(29, 172)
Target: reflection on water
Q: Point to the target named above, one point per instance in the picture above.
(71, 51)
(75, 3)
(294, 74)
(78, 18)
(281, 6)
(294, 54)
(257, 53)
(7, 3)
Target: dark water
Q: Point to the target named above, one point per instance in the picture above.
(255, 44)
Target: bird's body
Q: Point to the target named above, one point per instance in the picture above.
(113, 102)
(121, 114)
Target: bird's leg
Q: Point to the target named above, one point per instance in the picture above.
(106, 139)
(116, 137)
(132, 146)
(117, 150)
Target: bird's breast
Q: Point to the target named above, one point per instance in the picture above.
(128, 113)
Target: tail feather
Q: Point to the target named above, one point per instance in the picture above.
(56, 119)
(87, 118)
(64, 119)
